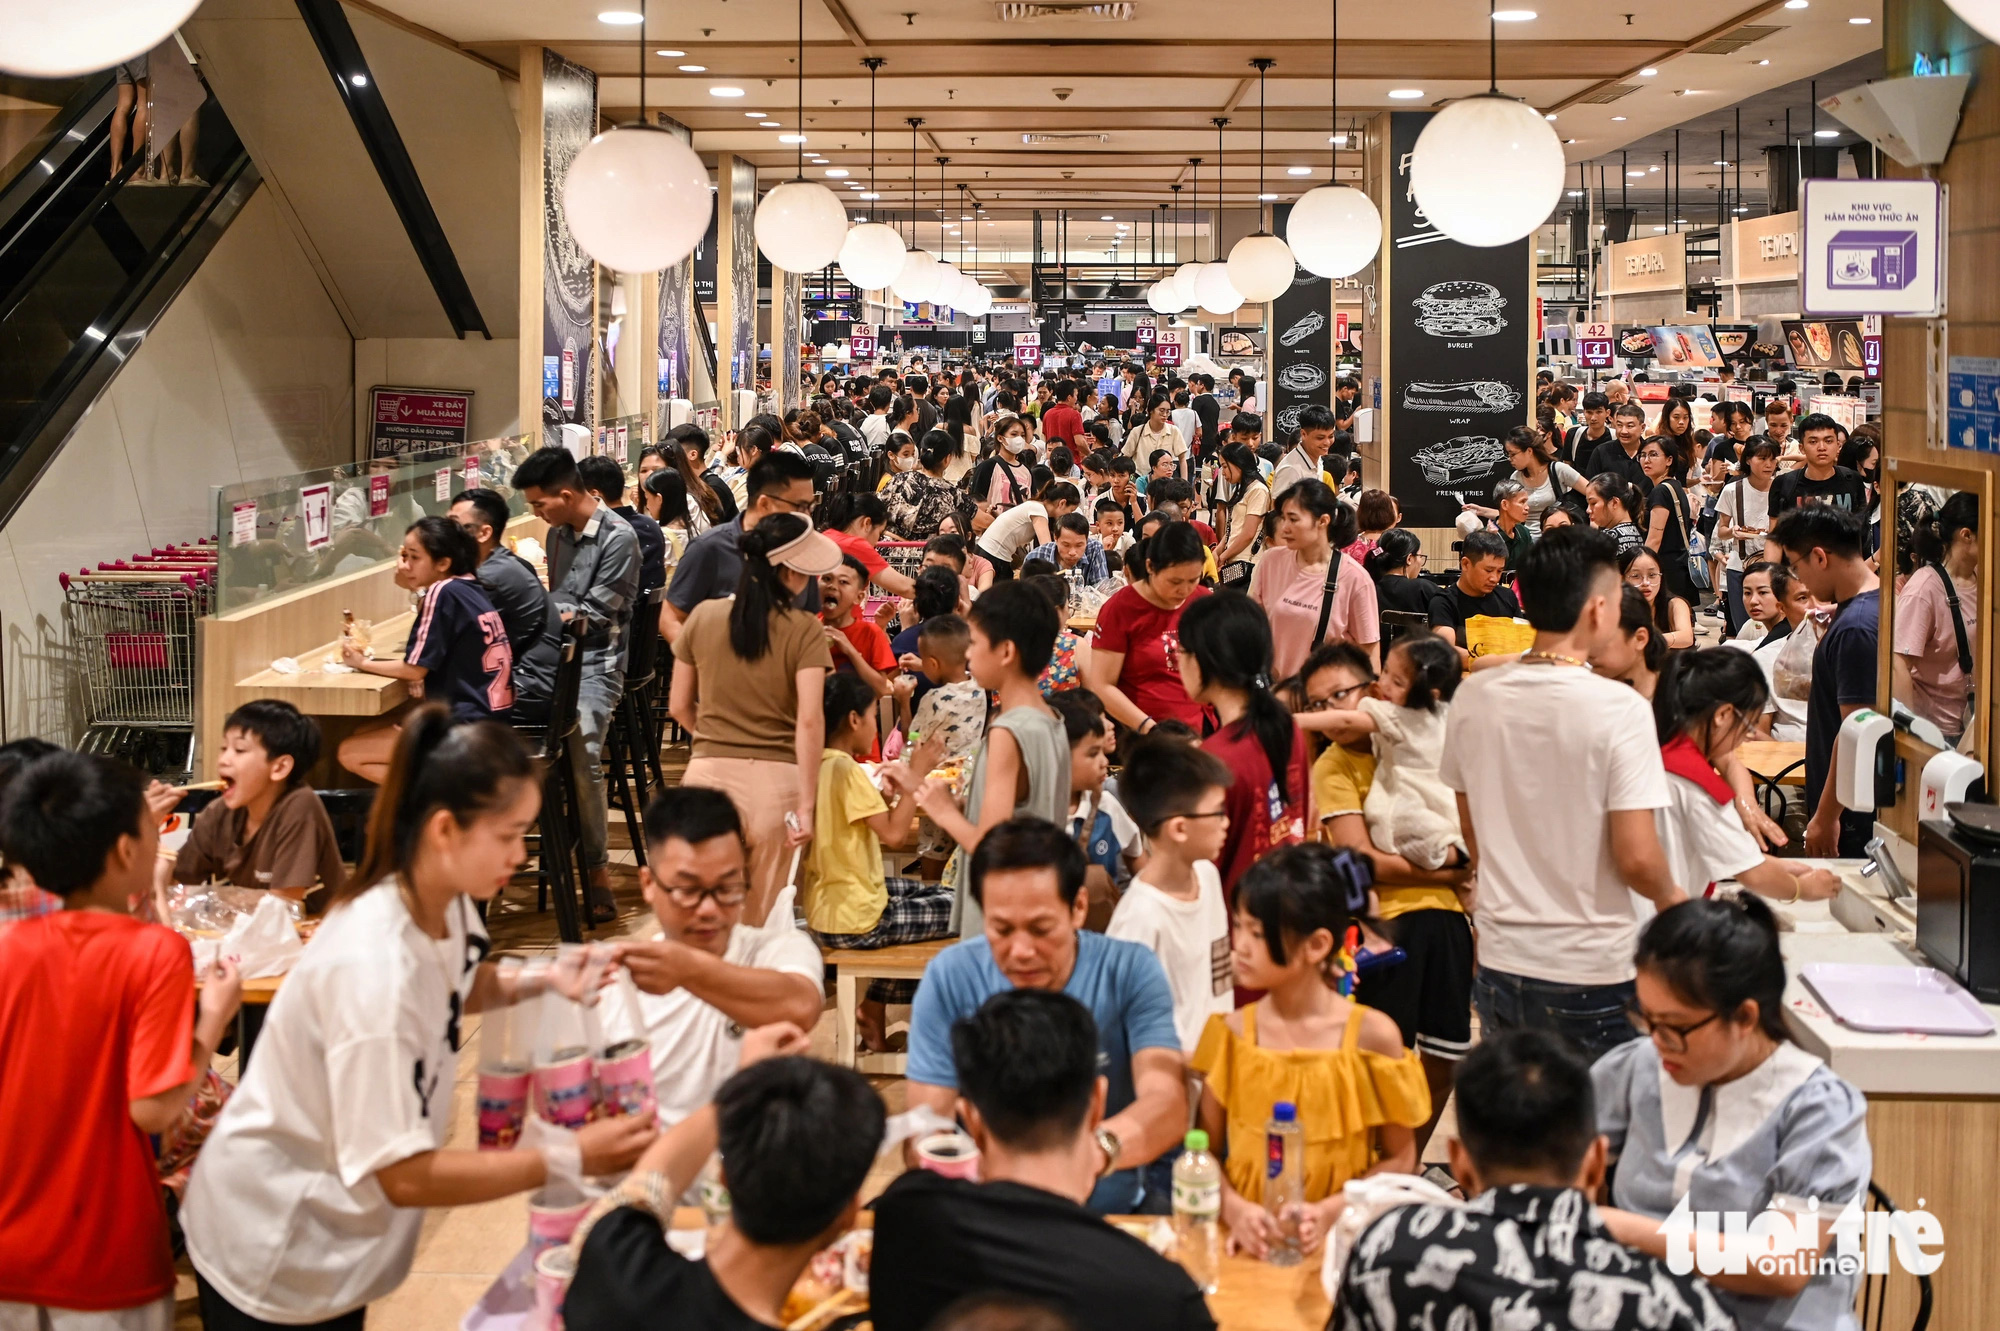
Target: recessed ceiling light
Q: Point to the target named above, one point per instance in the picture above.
(1763, 62)
(1659, 228)
(1618, 117)
(1797, 4)
(621, 18)
(1826, 133)
(854, 184)
(757, 115)
(692, 69)
(358, 80)
(724, 90)
(1576, 194)
(1861, 22)
(770, 124)
(1406, 94)
(1267, 198)
(1298, 170)
(791, 138)
(671, 55)
(1648, 72)
(1550, 116)
(1513, 15)
(871, 194)
(1337, 140)
(836, 172)
(1569, 140)
(1636, 175)
(1105, 218)
(1739, 209)
(1719, 162)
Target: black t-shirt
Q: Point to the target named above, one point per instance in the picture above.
(628, 1279)
(1843, 674)
(1458, 607)
(652, 548)
(461, 641)
(1673, 541)
(937, 1239)
(1579, 444)
(534, 626)
(1415, 596)
(1844, 490)
(1611, 456)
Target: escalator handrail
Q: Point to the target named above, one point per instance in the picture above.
(72, 133)
(85, 217)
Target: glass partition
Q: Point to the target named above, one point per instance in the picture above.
(287, 532)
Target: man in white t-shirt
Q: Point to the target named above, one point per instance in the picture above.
(705, 978)
(1174, 907)
(1304, 460)
(875, 427)
(1558, 773)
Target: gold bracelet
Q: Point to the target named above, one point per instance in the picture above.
(1798, 886)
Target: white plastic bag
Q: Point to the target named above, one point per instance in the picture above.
(1368, 1199)
(265, 942)
(1791, 670)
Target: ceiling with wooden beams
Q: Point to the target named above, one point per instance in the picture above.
(1102, 116)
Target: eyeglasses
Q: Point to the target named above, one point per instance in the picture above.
(1219, 813)
(1334, 699)
(1672, 1039)
(791, 505)
(727, 896)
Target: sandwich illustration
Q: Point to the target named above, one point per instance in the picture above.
(1460, 309)
(1465, 458)
(1301, 377)
(1487, 395)
(1303, 329)
(1288, 418)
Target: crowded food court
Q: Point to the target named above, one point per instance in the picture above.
(1013, 668)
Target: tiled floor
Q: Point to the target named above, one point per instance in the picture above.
(462, 1250)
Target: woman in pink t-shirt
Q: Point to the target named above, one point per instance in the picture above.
(1926, 660)
(1291, 581)
(1134, 662)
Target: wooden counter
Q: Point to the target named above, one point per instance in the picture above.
(1775, 760)
(1250, 1295)
(316, 693)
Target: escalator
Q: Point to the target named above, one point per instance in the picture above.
(90, 260)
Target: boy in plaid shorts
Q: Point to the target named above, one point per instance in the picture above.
(850, 901)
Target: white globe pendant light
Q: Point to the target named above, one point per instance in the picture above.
(1160, 299)
(1983, 16)
(1214, 292)
(1488, 169)
(949, 281)
(978, 301)
(1261, 268)
(1334, 231)
(918, 278)
(1260, 264)
(872, 256)
(637, 199)
(56, 41)
(800, 225)
(1184, 278)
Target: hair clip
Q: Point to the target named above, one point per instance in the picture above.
(1345, 960)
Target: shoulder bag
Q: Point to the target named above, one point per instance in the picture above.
(1326, 601)
(1696, 543)
(1566, 499)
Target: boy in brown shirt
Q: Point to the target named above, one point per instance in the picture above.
(269, 828)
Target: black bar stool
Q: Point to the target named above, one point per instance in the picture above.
(630, 751)
(560, 867)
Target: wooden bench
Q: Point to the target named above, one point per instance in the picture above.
(850, 968)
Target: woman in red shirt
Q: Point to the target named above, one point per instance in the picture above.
(1225, 663)
(1135, 656)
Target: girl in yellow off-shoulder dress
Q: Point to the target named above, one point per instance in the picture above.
(1359, 1092)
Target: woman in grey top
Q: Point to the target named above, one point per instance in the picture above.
(1023, 765)
(1532, 457)
(1721, 1110)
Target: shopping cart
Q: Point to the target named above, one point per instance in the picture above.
(131, 629)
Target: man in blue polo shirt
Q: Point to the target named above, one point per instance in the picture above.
(1028, 878)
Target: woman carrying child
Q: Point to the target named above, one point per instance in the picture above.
(1357, 1091)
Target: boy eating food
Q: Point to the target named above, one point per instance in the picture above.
(269, 829)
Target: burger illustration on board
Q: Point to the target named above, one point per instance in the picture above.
(1460, 309)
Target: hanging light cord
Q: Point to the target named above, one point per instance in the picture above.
(1263, 74)
(1492, 49)
(642, 61)
(1214, 235)
(1333, 103)
(802, 90)
(875, 194)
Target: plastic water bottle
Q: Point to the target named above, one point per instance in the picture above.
(1284, 1179)
(1198, 1211)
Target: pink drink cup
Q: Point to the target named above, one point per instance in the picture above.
(553, 1215)
(565, 1095)
(553, 1270)
(951, 1154)
(503, 1108)
(625, 1080)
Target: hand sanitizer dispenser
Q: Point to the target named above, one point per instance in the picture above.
(1948, 778)
(1864, 762)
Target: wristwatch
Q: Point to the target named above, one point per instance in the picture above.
(1107, 1142)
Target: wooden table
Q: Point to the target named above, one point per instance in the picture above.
(1775, 761)
(850, 967)
(317, 693)
(1250, 1295)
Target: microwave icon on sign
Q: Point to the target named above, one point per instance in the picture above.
(1871, 260)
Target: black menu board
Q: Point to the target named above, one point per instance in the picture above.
(1461, 323)
(1299, 348)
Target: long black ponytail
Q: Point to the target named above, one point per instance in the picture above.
(761, 591)
(1230, 639)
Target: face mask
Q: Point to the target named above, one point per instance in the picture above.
(1012, 443)
(906, 464)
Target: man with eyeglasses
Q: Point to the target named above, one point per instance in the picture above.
(712, 565)
(705, 978)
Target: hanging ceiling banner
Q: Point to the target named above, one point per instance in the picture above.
(569, 278)
(677, 307)
(1460, 322)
